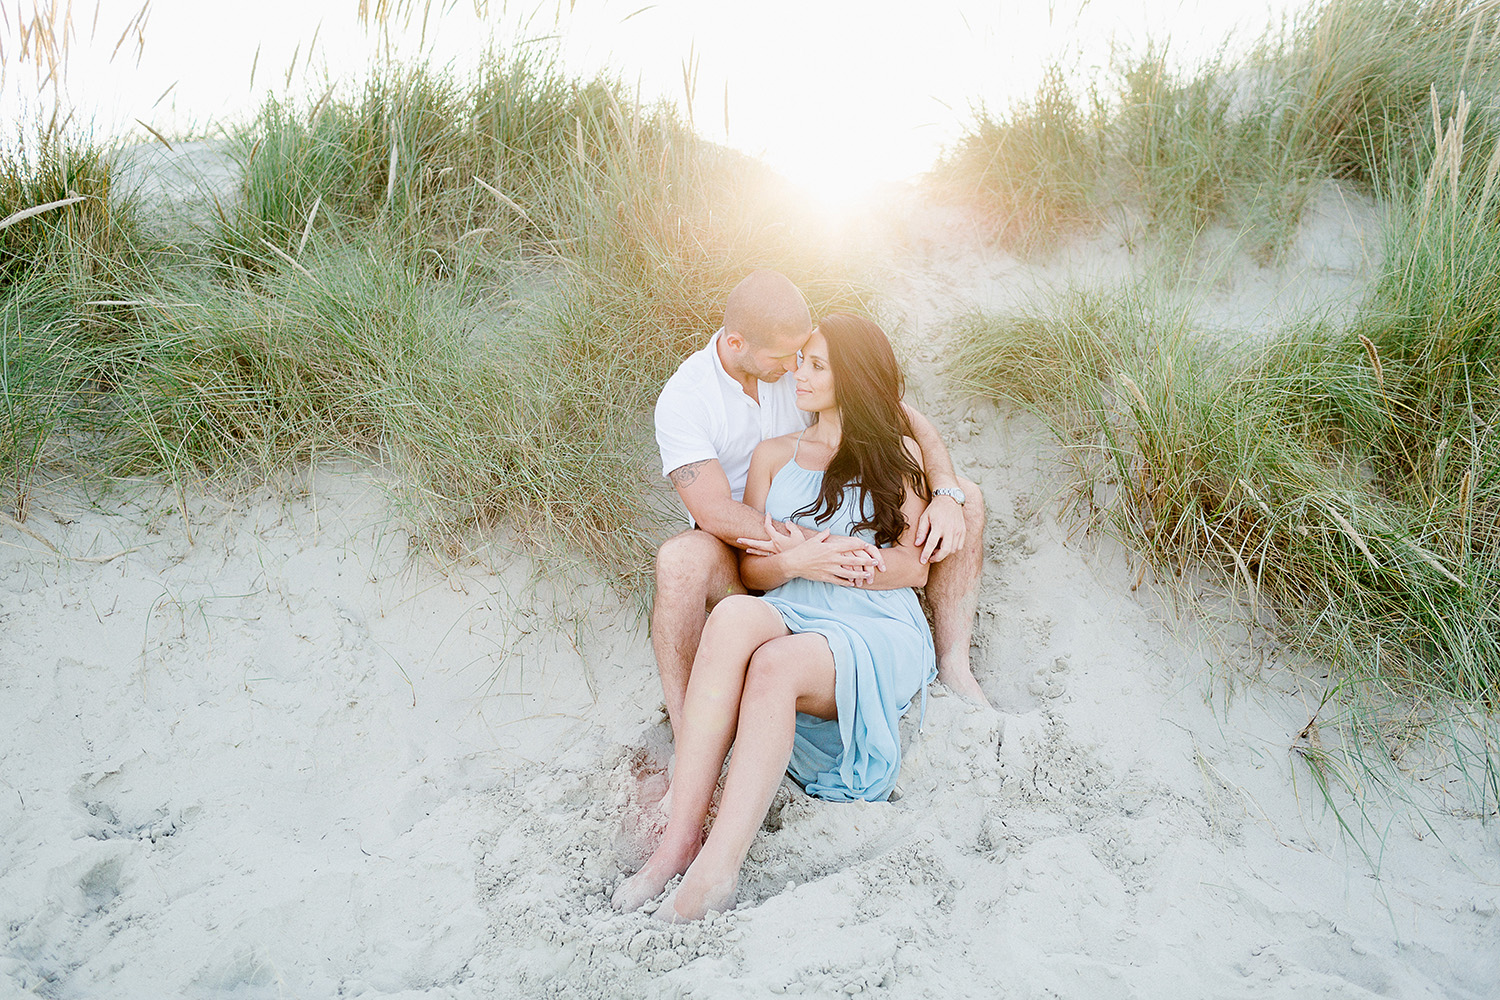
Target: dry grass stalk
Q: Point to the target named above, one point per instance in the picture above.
(36, 210)
(1134, 390)
(1354, 536)
(504, 200)
(1374, 357)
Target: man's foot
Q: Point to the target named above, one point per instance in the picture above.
(697, 896)
(955, 674)
(645, 885)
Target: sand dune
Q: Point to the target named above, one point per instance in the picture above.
(268, 749)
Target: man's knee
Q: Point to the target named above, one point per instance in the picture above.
(691, 555)
(973, 501)
(696, 566)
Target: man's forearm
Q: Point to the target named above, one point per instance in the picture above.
(936, 462)
(706, 494)
(729, 520)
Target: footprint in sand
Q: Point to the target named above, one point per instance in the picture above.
(1050, 682)
(638, 789)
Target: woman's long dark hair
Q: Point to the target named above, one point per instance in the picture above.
(872, 455)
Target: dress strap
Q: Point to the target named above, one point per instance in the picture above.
(798, 444)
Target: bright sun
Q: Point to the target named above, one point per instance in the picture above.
(840, 96)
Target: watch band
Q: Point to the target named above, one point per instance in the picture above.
(952, 492)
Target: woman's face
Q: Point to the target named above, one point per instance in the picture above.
(814, 378)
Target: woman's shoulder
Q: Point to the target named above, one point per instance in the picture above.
(777, 448)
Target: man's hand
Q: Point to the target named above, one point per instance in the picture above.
(940, 529)
(775, 542)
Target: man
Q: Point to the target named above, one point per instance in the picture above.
(721, 403)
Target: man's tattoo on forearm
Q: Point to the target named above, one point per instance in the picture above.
(685, 475)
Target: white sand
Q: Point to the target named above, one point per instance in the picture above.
(290, 758)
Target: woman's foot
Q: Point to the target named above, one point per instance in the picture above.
(698, 895)
(665, 864)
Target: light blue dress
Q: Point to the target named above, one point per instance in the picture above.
(882, 657)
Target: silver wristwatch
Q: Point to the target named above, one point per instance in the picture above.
(950, 491)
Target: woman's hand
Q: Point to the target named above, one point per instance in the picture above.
(823, 557)
(775, 543)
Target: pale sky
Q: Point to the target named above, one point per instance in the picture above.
(839, 95)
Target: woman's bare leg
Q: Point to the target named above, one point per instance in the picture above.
(785, 676)
(736, 629)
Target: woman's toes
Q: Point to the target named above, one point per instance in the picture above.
(637, 890)
(695, 899)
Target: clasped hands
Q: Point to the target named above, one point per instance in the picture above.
(854, 562)
(821, 556)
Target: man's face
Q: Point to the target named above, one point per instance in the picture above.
(773, 359)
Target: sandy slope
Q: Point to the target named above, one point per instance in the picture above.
(288, 757)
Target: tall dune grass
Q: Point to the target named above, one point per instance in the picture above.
(65, 243)
(1345, 479)
(1344, 90)
(1036, 168)
(482, 283)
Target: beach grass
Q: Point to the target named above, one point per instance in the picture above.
(1341, 477)
(478, 283)
(1342, 90)
(67, 243)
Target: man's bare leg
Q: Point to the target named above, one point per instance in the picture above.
(953, 593)
(694, 572)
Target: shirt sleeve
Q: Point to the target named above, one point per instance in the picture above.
(682, 429)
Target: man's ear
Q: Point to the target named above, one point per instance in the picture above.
(734, 341)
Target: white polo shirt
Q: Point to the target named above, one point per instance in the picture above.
(703, 413)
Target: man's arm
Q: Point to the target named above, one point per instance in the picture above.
(705, 490)
(940, 529)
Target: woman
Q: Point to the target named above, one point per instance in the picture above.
(813, 677)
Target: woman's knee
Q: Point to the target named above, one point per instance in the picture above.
(737, 607)
(737, 614)
(775, 667)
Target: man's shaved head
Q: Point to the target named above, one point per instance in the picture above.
(767, 307)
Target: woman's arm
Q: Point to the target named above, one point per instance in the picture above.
(903, 561)
(836, 559)
(904, 566)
